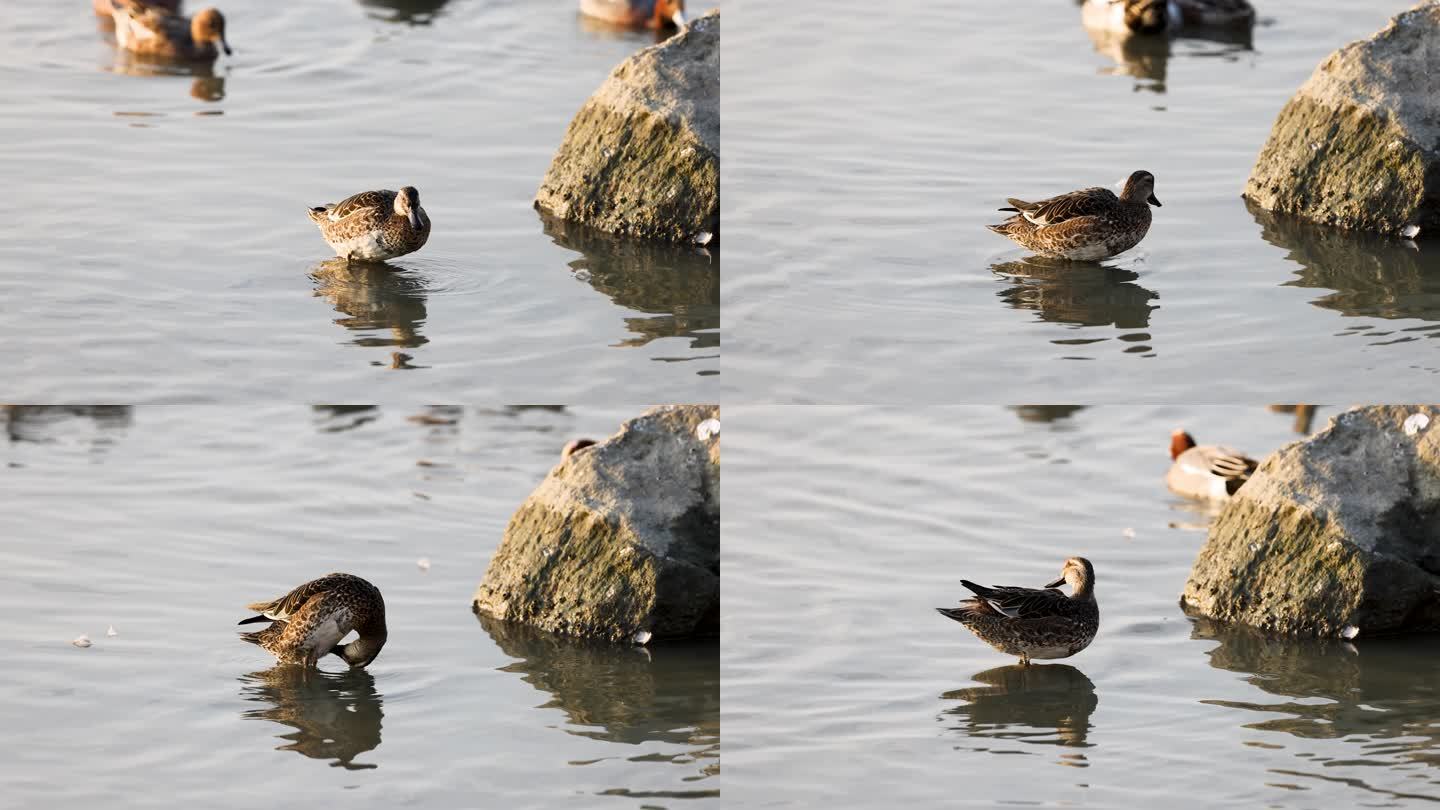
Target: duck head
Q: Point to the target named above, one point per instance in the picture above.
(1140, 187)
(1145, 16)
(360, 652)
(1180, 441)
(1079, 574)
(407, 204)
(670, 12)
(209, 26)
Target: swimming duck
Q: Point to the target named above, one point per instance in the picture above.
(1085, 225)
(153, 31)
(1034, 622)
(1206, 471)
(636, 13)
(374, 225)
(1160, 16)
(308, 623)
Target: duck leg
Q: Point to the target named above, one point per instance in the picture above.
(1024, 660)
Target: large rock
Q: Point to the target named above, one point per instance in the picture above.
(621, 539)
(642, 157)
(1358, 146)
(1335, 535)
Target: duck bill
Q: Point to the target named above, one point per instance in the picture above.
(414, 219)
(225, 46)
(1057, 583)
(1153, 201)
(679, 19)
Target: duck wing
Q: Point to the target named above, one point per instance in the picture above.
(1233, 466)
(288, 605)
(1083, 203)
(366, 203)
(1021, 603)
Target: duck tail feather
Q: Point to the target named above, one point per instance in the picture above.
(254, 619)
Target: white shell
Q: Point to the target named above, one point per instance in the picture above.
(1128, 534)
(707, 429)
(1415, 423)
(1350, 631)
(1410, 231)
(423, 563)
(82, 641)
(641, 636)
(582, 275)
(112, 632)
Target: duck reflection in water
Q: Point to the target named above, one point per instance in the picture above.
(676, 289)
(335, 716)
(1080, 294)
(407, 12)
(205, 85)
(1146, 57)
(1040, 704)
(375, 297)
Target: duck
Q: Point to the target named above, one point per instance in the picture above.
(1034, 623)
(308, 623)
(1164, 16)
(636, 13)
(374, 225)
(154, 31)
(1085, 225)
(574, 446)
(1206, 472)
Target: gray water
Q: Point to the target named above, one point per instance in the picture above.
(869, 145)
(157, 248)
(163, 522)
(841, 687)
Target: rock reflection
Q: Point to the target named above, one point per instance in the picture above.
(1080, 294)
(1368, 275)
(1043, 704)
(408, 12)
(677, 289)
(375, 297)
(668, 693)
(336, 716)
(1378, 694)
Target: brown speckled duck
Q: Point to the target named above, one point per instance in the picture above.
(308, 623)
(1085, 225)
(636, 13)
(1165, 16)
(374, 225)
(1034, 622)
(155, 31)
(1206, 471)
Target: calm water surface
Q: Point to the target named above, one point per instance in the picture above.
(164, 521)
(846, 527)
(869, 145)
(158, 249)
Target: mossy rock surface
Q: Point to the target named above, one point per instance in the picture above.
(1338, 531)
(621, 538)
(642, 156)
(1358, 145)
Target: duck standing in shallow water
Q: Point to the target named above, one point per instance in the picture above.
(308, 623)
(374, 225)
(1206, 471)
(636, 13)
(1164, 16)
(154, 31)
(1085, 225)
(1034, 622)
